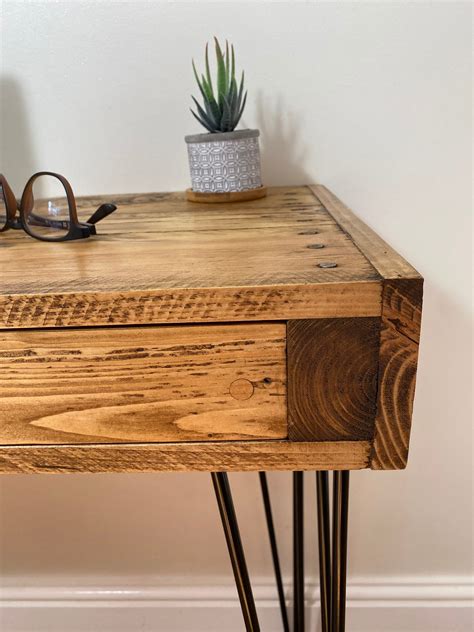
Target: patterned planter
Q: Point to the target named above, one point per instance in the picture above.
(224, 162)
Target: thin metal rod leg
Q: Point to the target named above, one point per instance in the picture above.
(298, 552)
(236, 551)
(274, 548)
(339, 549)
(324, 545)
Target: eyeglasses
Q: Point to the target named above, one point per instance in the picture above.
(47, 210)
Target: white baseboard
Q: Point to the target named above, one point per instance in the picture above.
(384, 605)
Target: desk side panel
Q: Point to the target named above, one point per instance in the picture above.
(402, 291)
(400, 336)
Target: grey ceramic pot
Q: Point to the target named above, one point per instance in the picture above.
(222, 162)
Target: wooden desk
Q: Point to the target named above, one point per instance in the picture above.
(278, 334)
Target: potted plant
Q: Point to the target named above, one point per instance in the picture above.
(224, 162)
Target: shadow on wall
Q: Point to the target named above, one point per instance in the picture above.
(284, 152)
(17, 159)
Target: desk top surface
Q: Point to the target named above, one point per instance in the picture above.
(160, 258)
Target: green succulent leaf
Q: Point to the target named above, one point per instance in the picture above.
(239, 116)
(201, 87)
(214, 117)
(208, 71)
(241, 88)
(208, 127)
(227, 66)
(208, 92)
(205, 115)
(233, 95)
(232, 70)
(210, 100)
(226, 121)
(221, 74)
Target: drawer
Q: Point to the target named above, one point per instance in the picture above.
(143, 384)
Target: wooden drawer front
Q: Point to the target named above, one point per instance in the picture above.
(143, 384)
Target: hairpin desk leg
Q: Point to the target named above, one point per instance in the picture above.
(339, 549)
(274, 548)
(324, 546)
(332, 564)
(298, 552)
(236, 551)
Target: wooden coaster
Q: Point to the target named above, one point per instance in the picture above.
(228, 196)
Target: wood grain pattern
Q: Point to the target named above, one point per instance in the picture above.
(206, 305)
(400, 332)
(202, 457)
(383, 257)
(143, 384)
(332, 378)
(400, 335)
(161, 259)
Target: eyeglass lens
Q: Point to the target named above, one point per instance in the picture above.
(47, 214)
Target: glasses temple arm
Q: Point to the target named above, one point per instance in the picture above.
(37, 220)
(97, 216)
(101, 213)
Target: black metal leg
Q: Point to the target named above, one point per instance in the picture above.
(274, 548)
(298, 552)
(324, 545)
(339, 550)
(236, 551)
(333, 568)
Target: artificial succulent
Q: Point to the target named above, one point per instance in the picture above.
(223, 107)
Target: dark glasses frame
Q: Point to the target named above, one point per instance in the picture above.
(75, 228)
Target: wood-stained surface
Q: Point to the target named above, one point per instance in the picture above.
(161, 259)
(332, 378)
(89, 382)
(400, 336)
(402, 292)
(203, 457)
(191, 305)
(143, 384)
(383, 257)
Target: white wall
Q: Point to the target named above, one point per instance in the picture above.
(371, 99)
